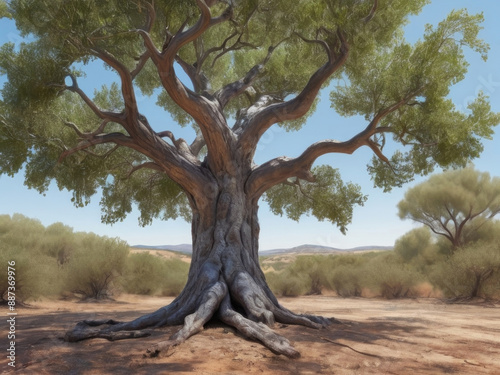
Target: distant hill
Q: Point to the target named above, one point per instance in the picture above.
(302, 249)
(317, 249)
(183, 248)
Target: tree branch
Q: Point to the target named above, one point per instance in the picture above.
(298, 106)
(117, 138)
(369, 17)
(278, 170)
(385, 111)
(149, 165)
(206, 112)
(197, 144)
(127, 86)
(232, 90)
(140, 64)
(105, 115)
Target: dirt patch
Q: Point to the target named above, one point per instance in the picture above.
(378, 337)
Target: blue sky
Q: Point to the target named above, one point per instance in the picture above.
(376, 223)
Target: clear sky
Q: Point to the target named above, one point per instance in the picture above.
(376, 223)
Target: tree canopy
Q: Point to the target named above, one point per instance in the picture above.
(454, 204)
(247, 56)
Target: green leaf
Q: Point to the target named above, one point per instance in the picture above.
(328, 198)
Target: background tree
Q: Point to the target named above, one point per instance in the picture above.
(248, 65)
(453, 204)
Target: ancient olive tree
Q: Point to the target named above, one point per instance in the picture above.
(453, 204)
(246, 66)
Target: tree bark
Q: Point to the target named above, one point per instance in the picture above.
(225, 280)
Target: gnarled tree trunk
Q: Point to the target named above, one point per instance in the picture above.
(225, 280)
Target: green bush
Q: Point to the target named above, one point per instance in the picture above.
(59, 241)
(347, 280)
(391, 278)
(288, 285)
(471, 272)
(143, 274)
(174, 276)
(96, 265)
(36, 274)
(310, 272)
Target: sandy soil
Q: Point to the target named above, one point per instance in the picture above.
(378, 337)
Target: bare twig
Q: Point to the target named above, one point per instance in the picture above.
(349, 347)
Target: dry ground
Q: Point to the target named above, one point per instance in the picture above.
(378, 337)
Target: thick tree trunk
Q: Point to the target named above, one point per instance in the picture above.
(225, 281)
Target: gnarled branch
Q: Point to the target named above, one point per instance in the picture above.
(299, 105)
(127, 86)
(148, 165)
(105, 115)
(117, 138)
(234, 89)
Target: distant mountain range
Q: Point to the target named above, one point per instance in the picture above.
(302, 249)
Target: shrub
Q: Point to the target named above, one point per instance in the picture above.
(391, 278)
(288, 285)
(59, 242)
(174, 276)
(309, 272)
(346, 280)
(36, 274)
(471, 272)
(143, 273)
(95, 266)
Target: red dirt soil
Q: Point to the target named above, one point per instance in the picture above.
(423, 336)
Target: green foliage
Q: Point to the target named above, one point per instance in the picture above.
(486, 232)
(391, 277)
(96, 266)
(156, 196)
(34, 276)
(152, 275)
(143, 274)
(174, 277)
(23, 241)
(419, 249)
(313, 270)
(454, 204)
(288, 285)
(54, 261)
(4, 12)
(471, 272)
(415, 80)
(413, 243)
(328, 198)
(346, 274)
(347, 280)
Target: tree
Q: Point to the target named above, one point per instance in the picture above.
(247, 66)
(454, 204)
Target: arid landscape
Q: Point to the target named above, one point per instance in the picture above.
(420, 336)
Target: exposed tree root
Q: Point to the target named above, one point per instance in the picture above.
(194, 323)
(240, 303)
(258, 331)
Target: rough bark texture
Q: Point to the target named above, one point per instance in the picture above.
(225, 280)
